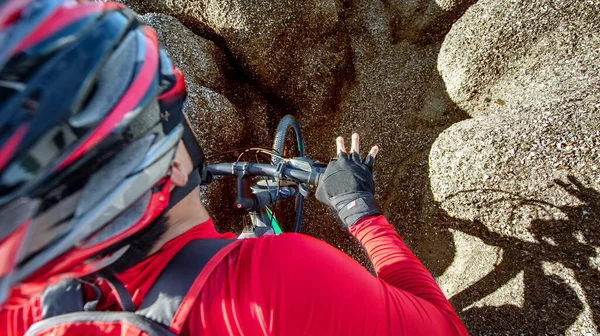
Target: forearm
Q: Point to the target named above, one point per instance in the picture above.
(396, 265)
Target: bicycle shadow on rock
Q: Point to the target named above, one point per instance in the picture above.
(551, 303)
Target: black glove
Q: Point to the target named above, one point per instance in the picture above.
(348, 187)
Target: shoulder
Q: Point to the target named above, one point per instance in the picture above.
(293, 244)
(263, 279)
(289, 254)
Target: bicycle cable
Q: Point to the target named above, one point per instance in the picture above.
(237, 150)
(260, 150)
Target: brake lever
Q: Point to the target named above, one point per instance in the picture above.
(301, 163)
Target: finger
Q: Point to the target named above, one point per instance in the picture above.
(355, 143)
(340, 145)
(374, 150)
(370, 159)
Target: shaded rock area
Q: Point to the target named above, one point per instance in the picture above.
(487, 114)
(216, 101)
(423, 21)
(294, 51)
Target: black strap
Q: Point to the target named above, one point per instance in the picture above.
(122, 294)
(64, 301)
(190, 141)
(176, 279)
(180, 193)
(67, 296)
(195, 177)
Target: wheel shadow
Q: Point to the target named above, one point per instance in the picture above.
(551, 302)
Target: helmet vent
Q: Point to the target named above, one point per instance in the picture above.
(113, 173)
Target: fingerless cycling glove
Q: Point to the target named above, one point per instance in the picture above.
(347, 186)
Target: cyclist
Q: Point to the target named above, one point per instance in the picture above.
(99, 174)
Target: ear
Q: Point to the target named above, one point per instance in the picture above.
(178, 177)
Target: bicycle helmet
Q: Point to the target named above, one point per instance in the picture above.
(90, 119)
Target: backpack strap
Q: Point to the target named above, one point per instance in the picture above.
(172, 285)
(67, 296)
(63, 305)
(123, 295)
(97, 323)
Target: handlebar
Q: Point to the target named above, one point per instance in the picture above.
(285, 171)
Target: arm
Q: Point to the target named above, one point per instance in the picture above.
(297, 285)
(347, 186)
(396, 265)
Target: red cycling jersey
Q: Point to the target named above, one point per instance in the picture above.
(292, 284)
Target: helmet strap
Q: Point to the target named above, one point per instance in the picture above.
(194, 178)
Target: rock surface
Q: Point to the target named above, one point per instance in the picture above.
(225, 110)
(532, 52)
(501, 208)
(219, 124)
(523, 174)
(423, 21)
(295, 51)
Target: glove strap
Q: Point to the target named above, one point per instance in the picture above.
(351, 211)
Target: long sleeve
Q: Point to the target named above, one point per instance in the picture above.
(396, 265)
(293, 284)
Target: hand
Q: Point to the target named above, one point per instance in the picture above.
(347, 185)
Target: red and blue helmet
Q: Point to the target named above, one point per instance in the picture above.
(90, 119)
